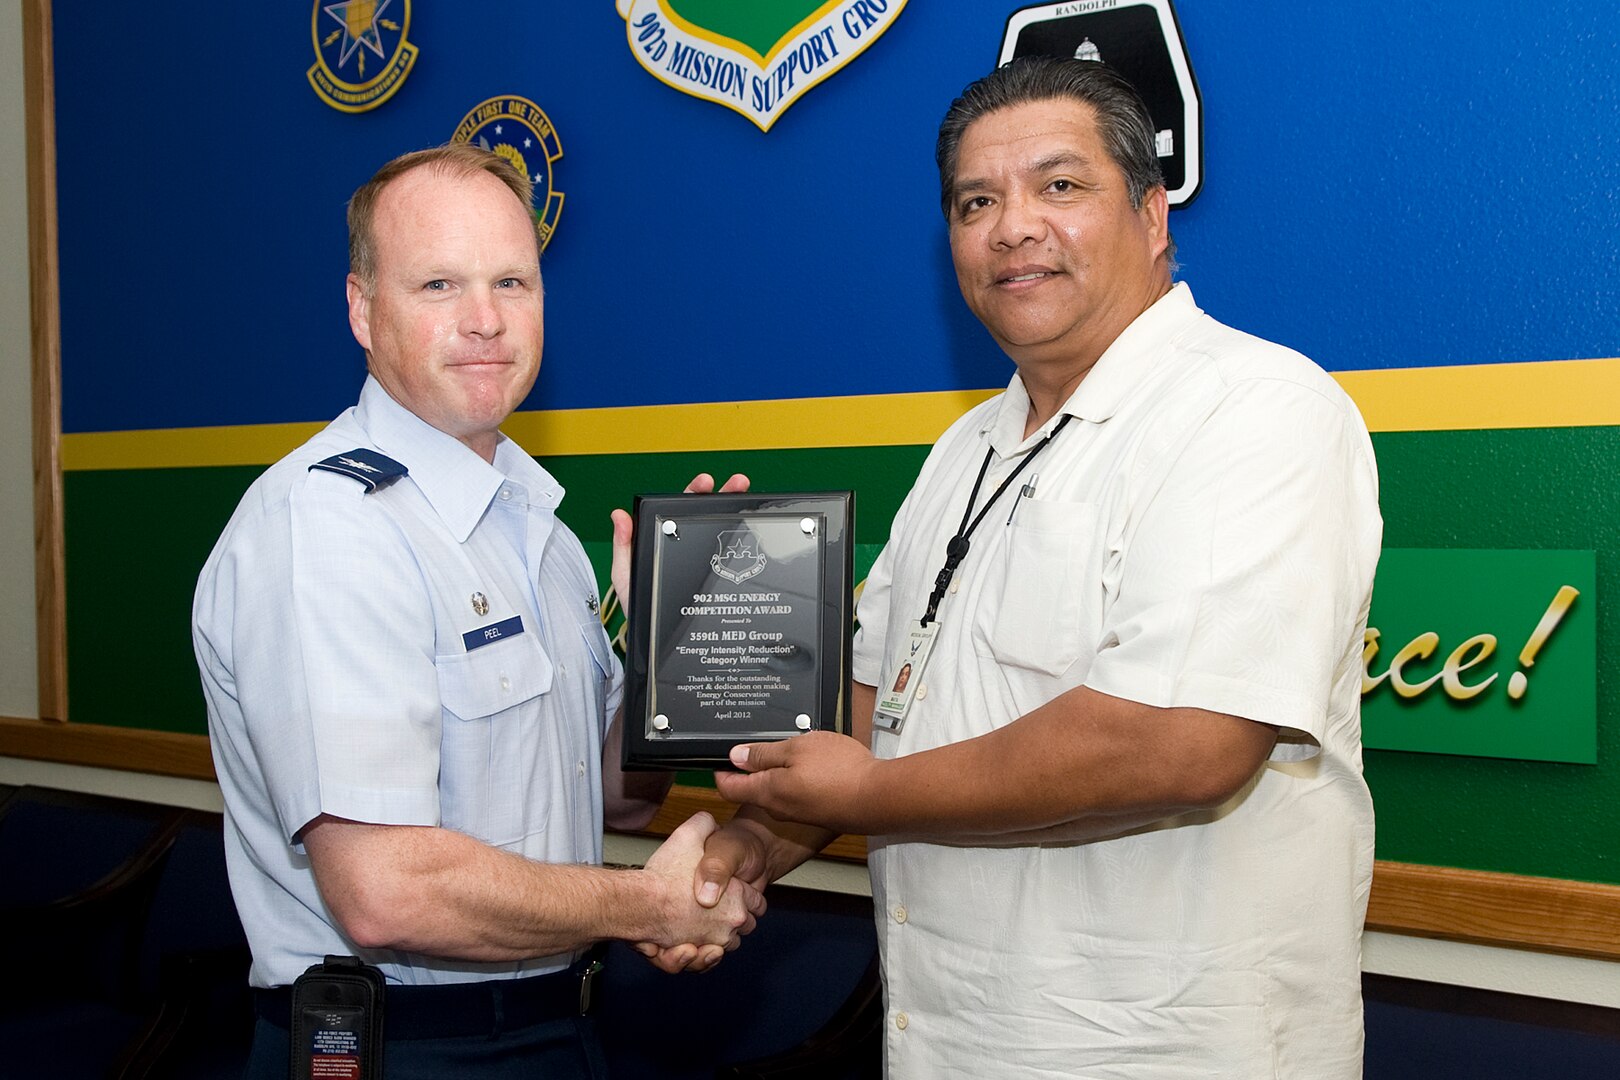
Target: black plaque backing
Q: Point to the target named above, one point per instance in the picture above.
(739, 624)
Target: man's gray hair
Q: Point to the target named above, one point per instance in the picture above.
(1122, 118)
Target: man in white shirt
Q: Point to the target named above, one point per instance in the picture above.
(1118, 824)
(412, 703)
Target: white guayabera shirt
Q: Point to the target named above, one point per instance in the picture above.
(1204, 534)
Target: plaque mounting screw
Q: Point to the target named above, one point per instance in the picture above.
(807, 526)
(802, 720)
(661, 722)
(671, 529)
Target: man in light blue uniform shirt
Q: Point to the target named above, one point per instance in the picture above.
(411, 698)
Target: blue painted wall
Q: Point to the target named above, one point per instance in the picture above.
(1386, 186)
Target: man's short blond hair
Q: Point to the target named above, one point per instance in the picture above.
(456, 160)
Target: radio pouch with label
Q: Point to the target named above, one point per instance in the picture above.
(337, 1021)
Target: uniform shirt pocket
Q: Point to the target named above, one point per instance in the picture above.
(493, 678)
(1049, 570)
(492, 745)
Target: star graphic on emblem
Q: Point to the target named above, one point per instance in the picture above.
(362, 466)
(497, 129)
(360, 20)
(527, 143)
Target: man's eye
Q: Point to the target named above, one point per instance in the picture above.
(437, 285)
(978, 202)
(508, 283)
(1062, 185)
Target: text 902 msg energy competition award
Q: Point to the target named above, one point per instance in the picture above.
(739, 624)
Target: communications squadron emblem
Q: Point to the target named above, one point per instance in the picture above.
(518, 130)
(361, 55)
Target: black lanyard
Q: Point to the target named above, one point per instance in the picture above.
(957, 548)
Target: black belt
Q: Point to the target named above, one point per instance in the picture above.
(456, 1010)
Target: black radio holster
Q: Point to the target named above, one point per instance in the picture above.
(337, 1021)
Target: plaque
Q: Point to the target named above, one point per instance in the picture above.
(740, 622)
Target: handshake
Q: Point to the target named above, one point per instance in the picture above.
(705, 900)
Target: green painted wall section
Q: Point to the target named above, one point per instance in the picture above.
(136, 540)
(1536, 488)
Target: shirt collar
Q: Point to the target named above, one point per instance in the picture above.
(456, 481)
(1120, 368)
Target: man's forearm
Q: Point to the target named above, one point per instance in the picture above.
(441, 893)
(777, 847)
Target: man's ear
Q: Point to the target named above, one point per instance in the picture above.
(359, 312)
(1156, 213)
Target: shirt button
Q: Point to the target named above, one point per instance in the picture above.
(580, 768)
(506, 684)
(901, 1020)
(900, 913)
(955, 585)
(506, 493)
(922, 692)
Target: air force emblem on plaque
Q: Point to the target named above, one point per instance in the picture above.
(518, 130)
(738, 557)
(361, 55)
(756, 58)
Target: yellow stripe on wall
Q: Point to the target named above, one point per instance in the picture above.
(1541, 394)
(167, 448)
(1546, 393)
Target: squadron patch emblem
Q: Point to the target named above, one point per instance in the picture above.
(361, 55)
(518, 130)
(762, 57)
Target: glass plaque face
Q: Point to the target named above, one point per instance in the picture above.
(739, 624)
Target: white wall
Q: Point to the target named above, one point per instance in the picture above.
(19, 676)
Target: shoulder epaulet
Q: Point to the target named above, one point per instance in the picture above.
(367, 466)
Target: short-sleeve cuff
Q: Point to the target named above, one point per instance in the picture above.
(1299, 717)
(866, 663)
(365, 805)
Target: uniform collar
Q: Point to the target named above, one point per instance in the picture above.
(456, 481)
(1121, 367)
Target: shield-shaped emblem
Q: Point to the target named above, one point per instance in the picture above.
(738, 557)
(755, 58)
(480, 604)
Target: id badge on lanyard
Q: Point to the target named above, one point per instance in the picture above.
(912, 655)
(909, 660)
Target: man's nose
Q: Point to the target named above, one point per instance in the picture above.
(1019, 219)
(480, 316)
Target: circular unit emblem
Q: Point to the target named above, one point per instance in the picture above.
(519, 131)
(361, 55)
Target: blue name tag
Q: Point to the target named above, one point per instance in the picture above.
(484, 635)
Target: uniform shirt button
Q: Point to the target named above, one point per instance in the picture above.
(901, 1020)
(922, 692)
(900, 913)
(506, 493)
(580, 768)
(955, 585)
(506, 684)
